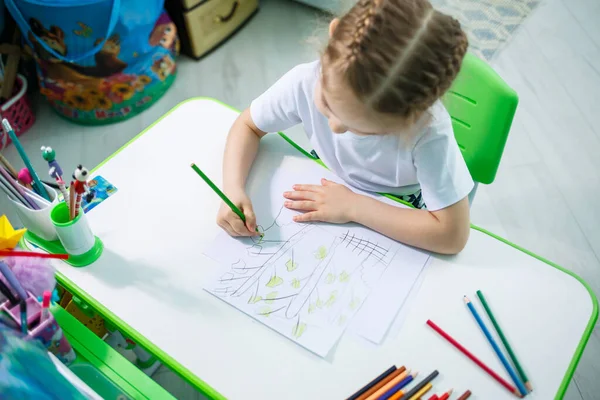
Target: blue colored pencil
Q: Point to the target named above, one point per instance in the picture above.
(394, 389)
(496, 348)
(37, 184)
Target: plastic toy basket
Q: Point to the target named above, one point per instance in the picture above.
(17, 110)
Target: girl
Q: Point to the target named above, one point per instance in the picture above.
(370, 107)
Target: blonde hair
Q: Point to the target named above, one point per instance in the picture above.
(398, 56)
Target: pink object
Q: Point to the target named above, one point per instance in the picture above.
(36, 275)
(24, 176)
(17, 110)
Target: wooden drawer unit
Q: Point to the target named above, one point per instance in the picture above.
(209, 23)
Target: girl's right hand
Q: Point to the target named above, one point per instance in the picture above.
(231, 223)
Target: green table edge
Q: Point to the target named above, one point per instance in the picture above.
(108, 361)
(208, 391)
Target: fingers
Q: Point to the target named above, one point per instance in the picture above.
(300, 195)
(307, 217)
(308, 188)
(233, 225)
(226, 227)
(301, 205)
(250, 218)
(326, 182)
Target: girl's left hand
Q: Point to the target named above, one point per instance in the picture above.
(330, 202)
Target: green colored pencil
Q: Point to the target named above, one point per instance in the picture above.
(509, 349)
(221, 194)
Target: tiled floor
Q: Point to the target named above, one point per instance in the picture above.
(545, 196)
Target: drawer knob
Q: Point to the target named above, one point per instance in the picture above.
(224, 18)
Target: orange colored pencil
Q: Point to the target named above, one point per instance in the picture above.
(421, 392)
(385, 381)
(388, 386)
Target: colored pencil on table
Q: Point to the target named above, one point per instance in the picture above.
(422, 392)
(218, 191)
(9, 167)
(477, 361)
(374, 392)
(496, 348)
(446, 395)
(507, 346)
(465, 395)
(18, 253)
(393, 386)
(434, 397)
(36, 180)
(32, 204)
(419, 386)
(374, 382)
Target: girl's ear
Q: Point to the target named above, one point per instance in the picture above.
(332, 25)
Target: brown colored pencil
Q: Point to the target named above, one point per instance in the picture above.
(387, 386)
(382, 383)
(465, 395)
(71, 201)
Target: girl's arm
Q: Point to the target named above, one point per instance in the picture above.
(445, 231)
(240, 151)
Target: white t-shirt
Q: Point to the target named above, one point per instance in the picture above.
(431, 161)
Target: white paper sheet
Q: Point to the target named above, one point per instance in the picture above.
(308, 281)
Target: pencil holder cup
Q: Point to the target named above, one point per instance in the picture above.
(75, 235)
(38, 221)
(46, 331)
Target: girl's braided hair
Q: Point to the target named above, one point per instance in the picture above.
(399, 56)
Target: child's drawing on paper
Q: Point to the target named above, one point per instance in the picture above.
(303, 280)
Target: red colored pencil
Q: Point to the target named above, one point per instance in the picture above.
(477, 361)
(434, 397)
(446, 395)
(16, 253)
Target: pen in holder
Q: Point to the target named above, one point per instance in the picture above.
(48, 332)
(38, 221)
(75, 234)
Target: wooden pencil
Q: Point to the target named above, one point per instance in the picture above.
(496, 348)
(420, 385)
(446, 395)
(396, 386)
(71, 203)
(422, 392)
(472, 357)
(8, 166)
(373, 382)
(504, 340)
(465, 395)
(386, 382)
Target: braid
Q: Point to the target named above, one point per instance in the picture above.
(365, 13)
(398, 56)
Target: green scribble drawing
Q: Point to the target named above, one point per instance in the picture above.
(319, 303)
(254, 299)
(354, 303)
(265, 311)
(330, 278)
(274, 281)
(270, 297)
(298, 330)
(296, 283)
(332, 298)
(342, 320)
(344, 277)
(311, 308)
(321, 253)
(291, 265)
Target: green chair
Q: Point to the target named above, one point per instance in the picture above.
(482, 107)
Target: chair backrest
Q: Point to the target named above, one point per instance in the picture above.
(482, 107)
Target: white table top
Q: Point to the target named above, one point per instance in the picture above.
(151, 274)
